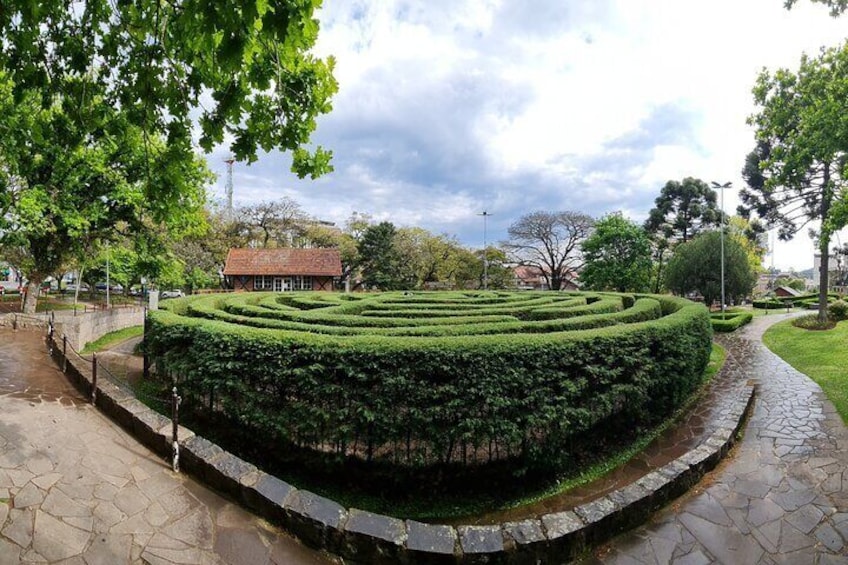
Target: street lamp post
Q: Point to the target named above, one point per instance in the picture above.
(721, 237)
(485, 215)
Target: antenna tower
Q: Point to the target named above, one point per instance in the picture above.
(229, 187)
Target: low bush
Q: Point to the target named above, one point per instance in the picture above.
(838, 310)
(812, 322)
(771, 304)
(466, 394)
(731, 321)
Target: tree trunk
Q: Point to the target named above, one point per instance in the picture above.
(824, 243)
(823, 278)
(31, 298)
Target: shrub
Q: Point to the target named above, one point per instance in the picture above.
(731, 322)
(770, 304)
(838, 310)
(463, 393)
(811, 322)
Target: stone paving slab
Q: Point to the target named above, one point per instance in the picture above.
(76, 488)
(783, 495)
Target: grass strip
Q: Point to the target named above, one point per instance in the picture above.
(819, 354)
(112, 338)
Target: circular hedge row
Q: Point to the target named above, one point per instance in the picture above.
(417, 379)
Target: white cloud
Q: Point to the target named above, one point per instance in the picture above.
(447, 108)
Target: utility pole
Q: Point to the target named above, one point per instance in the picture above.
(722, 187)
(229, 186)
(485, 215)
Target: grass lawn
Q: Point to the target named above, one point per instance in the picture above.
(821, 355)
(112, 338)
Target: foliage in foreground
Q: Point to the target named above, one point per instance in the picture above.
(449, 405)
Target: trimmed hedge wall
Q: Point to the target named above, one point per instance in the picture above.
(466, 393)
(731, 322)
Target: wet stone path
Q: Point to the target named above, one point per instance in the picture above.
(76, 489)
(782, 497)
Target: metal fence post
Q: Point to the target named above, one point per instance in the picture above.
(64, 353)
(175, 419)
(146, 358)
(50, 330)
(94, 378)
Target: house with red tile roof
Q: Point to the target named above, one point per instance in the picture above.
(529, 277)
(282, 269)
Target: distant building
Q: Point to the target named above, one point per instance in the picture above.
(532, 278)
(787, 292)
(832, 268)
(282, 269)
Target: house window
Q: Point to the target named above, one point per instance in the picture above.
(299, 283)
(261, 282)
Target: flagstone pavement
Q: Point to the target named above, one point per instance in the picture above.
(76, 489)
(781, 497)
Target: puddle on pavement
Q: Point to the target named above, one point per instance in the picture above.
(28, 373)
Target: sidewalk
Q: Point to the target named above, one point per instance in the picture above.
(76, 489)
(782, 496)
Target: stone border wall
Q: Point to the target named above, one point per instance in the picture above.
(365, 537)
(85, 328)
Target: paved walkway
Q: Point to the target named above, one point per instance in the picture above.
(76, 489)
(782, 497)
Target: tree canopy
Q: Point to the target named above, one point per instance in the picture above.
(795, 174)
(696, 266)
(241, 69)
(680, 212)
(381, 262)
(99, 102)
(550, 242)
(837, 7)
(683, 209)
(617, 255)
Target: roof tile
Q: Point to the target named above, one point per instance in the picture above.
(283, 261)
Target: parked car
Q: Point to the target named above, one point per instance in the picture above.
(175, 293)
(101, 287)
(73, 287)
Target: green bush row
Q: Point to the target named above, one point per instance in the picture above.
(418, 401)
(770, 304)
(731, 322)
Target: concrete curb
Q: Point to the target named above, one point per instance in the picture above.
(365, 537)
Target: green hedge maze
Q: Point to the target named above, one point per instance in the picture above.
(416, 380)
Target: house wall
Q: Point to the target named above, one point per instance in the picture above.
(318, 283)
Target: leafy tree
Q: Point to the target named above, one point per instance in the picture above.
(99, 101)
(795, 174)
(837, 7)
(680, 212)
(549, 241)
(618, 256)
(791, 282)
(751, 234)
(380, 260)
(66, 192)
(500, 273)
(696, 266)
(228, 67)
(271, 224)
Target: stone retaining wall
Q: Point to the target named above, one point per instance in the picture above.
(365, 537)
(85, 328)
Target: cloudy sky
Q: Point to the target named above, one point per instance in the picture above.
(447, 108)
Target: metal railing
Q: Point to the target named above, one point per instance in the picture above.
(99, 370)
